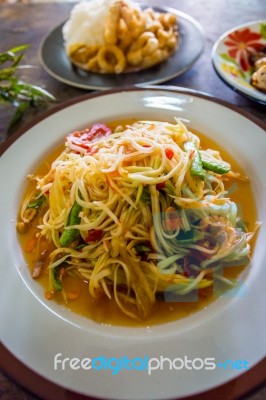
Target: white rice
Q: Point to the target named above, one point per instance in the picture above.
(86, 23)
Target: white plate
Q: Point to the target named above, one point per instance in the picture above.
(230, 57)
(35, 330)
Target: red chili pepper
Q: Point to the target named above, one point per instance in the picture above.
(94, 235)
(169, 153)
(160, 185)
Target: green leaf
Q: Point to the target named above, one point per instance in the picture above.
(263, 30)
(19, 48)
(6, 73)
(4, 57)
(38, 91)
(18, 113)
(226, 57)
(37, 203)
(13, 90)
(17, 60)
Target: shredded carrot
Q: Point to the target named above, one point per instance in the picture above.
(30, 245)
(114, 174)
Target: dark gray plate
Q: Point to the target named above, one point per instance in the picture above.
(191, 44)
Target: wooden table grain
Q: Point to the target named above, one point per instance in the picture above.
(29, 23)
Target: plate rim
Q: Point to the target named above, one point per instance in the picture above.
(30, 380)
(181, 14)
(223, 77)
(170, 89)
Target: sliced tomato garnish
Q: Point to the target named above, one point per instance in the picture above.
(160, 185)
(79, 143)
(98, 130)
(85, 137)
(94, 235)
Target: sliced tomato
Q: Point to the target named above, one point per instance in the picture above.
(85, 137)
(82, 144)
(97, 131)
(160, 185)
(94, 235)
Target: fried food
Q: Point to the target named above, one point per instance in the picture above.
(258, 78)
(111, 59)
(129, 39)
(110, 31)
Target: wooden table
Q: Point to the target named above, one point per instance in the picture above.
(28, 24)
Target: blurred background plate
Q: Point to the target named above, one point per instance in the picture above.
(191, 44)
(231, 57)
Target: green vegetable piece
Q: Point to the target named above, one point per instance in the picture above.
(55, 278)
(145, 196)
(218, 168)
(185, 236)
(69, 235)
(263, 30)
(188, 237)
(37, 203)
(242, 225)
(196, 168)
(170, 188)
(140, 248)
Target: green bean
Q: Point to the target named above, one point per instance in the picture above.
(69, 235)
(216, 167)
(196, 164)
